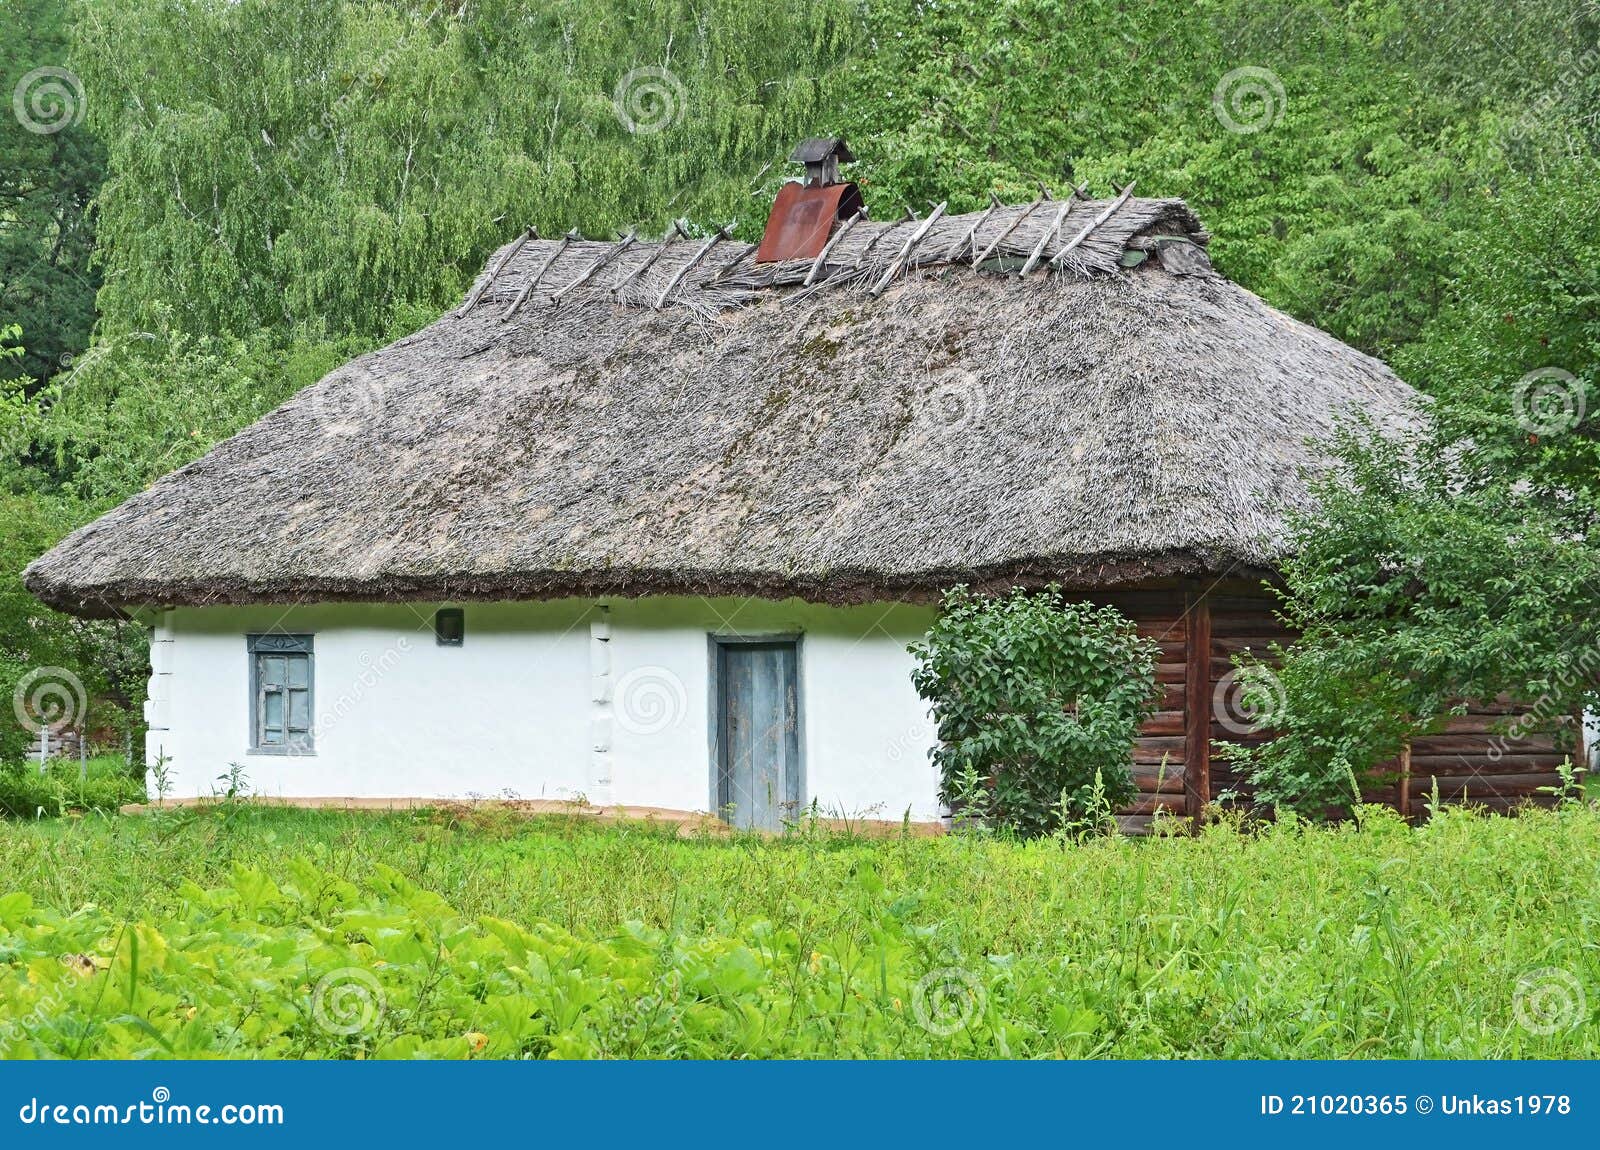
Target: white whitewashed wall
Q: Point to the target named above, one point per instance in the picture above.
(605, 700)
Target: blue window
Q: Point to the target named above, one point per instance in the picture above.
(280, 694)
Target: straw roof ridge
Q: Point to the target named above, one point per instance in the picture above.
(1077, 238)
(1133, 417)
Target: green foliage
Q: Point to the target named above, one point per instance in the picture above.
(26, 792)
(1367, 163)
(293, 934)
(1430, 575)
(108, 659)
(1524, 302)
(321, 167)
(1036, 699)
(141, 405)
(47, 180)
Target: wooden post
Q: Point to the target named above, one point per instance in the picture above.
(1197, 707)
(1580, 755)
(1404, 797)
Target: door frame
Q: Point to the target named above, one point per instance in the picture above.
(715, 642)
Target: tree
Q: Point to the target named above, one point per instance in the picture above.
(1429, 574)
(341, 169)
(50, 167)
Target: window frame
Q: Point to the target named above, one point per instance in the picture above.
(459, 616)
(279, 643)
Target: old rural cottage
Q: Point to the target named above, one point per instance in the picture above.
(652, 523)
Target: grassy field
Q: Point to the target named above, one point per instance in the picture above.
(101, 783)
(250, 931)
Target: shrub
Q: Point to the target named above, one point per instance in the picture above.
(24, 791)
(1037, 702)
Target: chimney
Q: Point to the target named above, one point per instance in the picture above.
(822, 156)
(806, 212)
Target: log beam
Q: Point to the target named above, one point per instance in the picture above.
(1197, 707)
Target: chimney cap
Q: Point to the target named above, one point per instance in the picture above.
(816, 149)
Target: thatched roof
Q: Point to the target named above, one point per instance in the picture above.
(634, 418)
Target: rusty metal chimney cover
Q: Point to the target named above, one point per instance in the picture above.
(804, 214)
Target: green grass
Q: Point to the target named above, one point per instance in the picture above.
(1377, 941)
(66, 787)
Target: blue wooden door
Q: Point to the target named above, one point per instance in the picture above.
(758, 734)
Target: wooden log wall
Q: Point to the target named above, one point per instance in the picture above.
(1200, 628)
(1161, 613)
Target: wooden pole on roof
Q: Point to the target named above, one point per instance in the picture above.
(722, 234)
(522, 296)
(499, 265)
(605, 258)
(971, 236)
(1053, 230)
(904, 257)
(727, 268)
(678, 231)
(999, 239)
(833, 240)
(866, 250)
(1122, 198)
